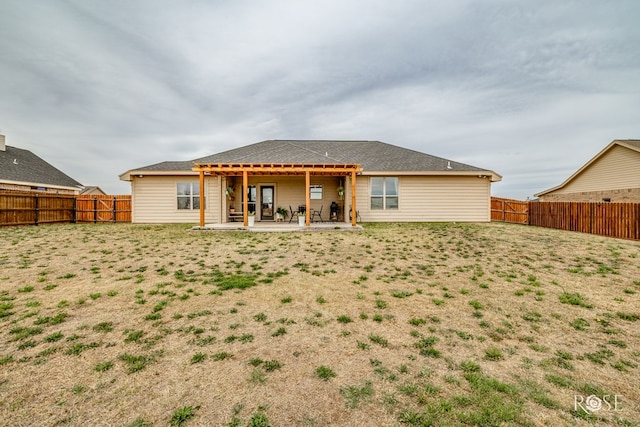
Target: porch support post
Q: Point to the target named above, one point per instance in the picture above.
(245, 203)
(202, 198)
(307, 198)
(353, 199)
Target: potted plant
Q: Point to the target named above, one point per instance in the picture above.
(281, 214)
(229, 193)
(251, 219)
(302, 218)
(340, 191)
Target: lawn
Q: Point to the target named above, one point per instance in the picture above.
(411, 324)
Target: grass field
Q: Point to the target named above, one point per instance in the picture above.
(412, 324)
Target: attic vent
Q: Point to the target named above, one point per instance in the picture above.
(449, 165)
(15, 161)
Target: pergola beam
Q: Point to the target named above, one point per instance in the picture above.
(276, 168)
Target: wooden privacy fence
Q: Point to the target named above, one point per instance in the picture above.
(104, 208)
(509, 210)
(620, 220)
(43, 208)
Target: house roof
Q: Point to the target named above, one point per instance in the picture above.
(632, 144)
(373, 156)
(22, 166)
(92, 189)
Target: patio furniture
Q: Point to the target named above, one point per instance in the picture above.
(292, 213)
(317, 213)
(358, 217)
(333, 212)
(236, 216)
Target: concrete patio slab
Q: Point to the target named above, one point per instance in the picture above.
(280, 227)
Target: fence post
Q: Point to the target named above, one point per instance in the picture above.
(95, 210)
(35, 207)
(75, 209)
(115, 211)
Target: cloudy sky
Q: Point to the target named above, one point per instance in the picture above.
(529, 89)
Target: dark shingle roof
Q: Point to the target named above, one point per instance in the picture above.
(371, 155)
(21, 165)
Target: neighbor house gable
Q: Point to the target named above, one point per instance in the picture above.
(617, 166)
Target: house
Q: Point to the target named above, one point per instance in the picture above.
(613, 175)
(92, 190)
(21, 170)
(370, 181)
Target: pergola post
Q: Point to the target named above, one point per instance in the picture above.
(353, 199)
(245, 201)
(202, 199)
(307, 197)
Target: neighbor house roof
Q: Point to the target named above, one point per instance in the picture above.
(23, 167)
(632, 144)
(92, 189)
(373, 156)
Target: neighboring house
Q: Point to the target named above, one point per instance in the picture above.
(21, 170)
(613, 175)
(382, 182)
(92, 190)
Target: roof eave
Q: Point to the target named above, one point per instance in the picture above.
(493, 176)
(130, 174)
(41, 184)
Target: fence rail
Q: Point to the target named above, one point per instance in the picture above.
(17, 208)
(620, 220)
(509, 210)
(103, 208)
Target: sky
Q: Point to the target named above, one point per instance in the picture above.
(529, 89)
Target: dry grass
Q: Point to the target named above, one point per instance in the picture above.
(398, 324)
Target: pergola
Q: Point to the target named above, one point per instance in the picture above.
(287, 169)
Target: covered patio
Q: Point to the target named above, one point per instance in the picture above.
(280, 227)
(245, 170)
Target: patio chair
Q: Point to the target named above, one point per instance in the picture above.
(315, 213)
(292, 213)
(358, 217)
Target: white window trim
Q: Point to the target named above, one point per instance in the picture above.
(384, 195)
(191, 196)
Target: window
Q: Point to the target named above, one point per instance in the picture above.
(384, 193)
(251, 199)
(315, 192)
(188, 195)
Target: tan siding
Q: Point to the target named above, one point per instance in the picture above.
(431, 199)
(422, 199)
(154, 200)
(619, 168)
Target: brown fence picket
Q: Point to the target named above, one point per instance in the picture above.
(103, 208)
(620, 220)
(509, 210)
(22, 208)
